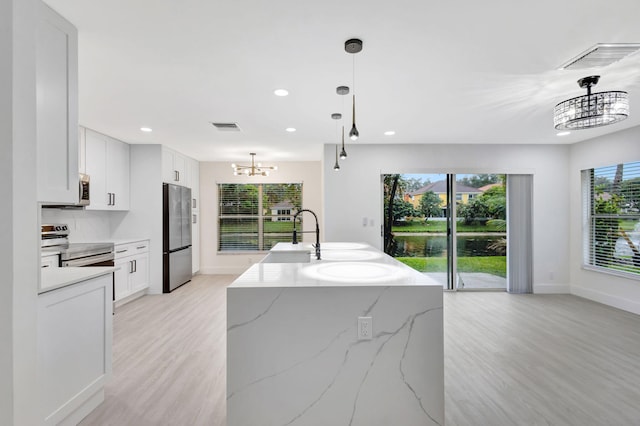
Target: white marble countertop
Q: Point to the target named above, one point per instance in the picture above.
(343, 264)
(53, 278)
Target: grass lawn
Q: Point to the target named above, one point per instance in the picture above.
(494, 265)
(440, 226)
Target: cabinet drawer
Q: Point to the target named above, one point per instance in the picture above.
(130, 249)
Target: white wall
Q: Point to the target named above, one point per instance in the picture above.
(354, 193)
(212, 173)
(619, 147)
(19, 260)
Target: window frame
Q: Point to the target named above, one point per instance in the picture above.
(261, 216)
(590, 255)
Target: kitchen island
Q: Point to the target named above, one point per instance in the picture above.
(353, 339)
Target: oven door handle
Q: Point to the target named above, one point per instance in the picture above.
(88, 261)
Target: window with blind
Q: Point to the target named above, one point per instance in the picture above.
(612, 218)
(254, 217)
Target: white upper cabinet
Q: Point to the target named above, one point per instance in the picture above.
(194, 183)
(107, 164)
(179, 169)
(57, 108)
(174, 167)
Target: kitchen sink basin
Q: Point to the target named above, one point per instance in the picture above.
(354, 272)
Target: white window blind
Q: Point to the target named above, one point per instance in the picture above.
(611, 199)
(253, 217)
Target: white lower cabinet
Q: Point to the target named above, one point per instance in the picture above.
(74, 349)
(50, 260)
(132, 274)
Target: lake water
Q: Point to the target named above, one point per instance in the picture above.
(436, 245)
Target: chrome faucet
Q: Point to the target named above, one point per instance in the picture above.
(295, 233)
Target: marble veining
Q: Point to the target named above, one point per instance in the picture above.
(257, 317)
(294, 357)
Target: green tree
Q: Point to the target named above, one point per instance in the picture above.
(402, 209)
(492, 204)
(430, 205)
(605, 228)
(476, 181)
(412, 184)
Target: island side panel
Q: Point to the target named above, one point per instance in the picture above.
(293, 356)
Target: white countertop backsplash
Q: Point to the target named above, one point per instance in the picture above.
(87, 226)
(84, 225)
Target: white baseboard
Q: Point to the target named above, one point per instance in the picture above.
(551, 288)
(607, 299)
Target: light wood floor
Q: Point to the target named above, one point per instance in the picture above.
(509, 360)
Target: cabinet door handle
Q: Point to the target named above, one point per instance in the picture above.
(135, 266)
(121, 251)
(45, 266)
(131, 266)
(195, 204)
(176, 176)
(195, 219)
(114, 199)
(141, 247)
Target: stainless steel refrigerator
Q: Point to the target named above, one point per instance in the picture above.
(176, 241)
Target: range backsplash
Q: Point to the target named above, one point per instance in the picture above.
(84, 225)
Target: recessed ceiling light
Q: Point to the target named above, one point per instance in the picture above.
(563, 133)
(281, 92)
(389, 133)
(290, 129)
(146, 129)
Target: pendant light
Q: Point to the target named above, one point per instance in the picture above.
(337, 116)
(591, 110)
(353, 46)
(342, 90)
(343, 153)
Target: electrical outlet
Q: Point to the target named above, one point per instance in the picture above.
(365, 328)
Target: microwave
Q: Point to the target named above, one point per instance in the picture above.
(83, 199)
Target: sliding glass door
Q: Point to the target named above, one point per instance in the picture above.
(450, 227)
(480, 232)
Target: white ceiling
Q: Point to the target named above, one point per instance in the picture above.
(435, 72)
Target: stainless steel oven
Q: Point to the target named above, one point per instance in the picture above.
(87, 254)
(76, 254)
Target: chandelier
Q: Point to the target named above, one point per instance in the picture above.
(254, 169)
(591, 110)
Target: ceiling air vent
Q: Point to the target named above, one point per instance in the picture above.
(227, 127)
(601, 55)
